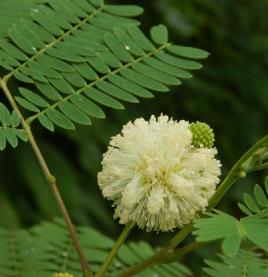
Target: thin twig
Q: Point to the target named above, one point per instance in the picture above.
(51, 180)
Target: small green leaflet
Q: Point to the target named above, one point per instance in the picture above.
(220, 225)
(259, 202)
(245, 263)
(9, 131)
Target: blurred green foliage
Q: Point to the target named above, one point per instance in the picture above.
(230, 93)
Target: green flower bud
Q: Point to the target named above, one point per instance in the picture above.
(242, 174)
(62, 275)
(203, 135)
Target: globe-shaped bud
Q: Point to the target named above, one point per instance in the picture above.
(203, 135)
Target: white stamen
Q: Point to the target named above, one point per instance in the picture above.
(151, 172)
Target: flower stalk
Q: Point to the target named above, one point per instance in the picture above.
(162, 257)
(121, 239)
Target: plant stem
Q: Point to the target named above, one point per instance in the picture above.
(51, 180)
(143, 265)
(114, 250)
(162, 257)
(167, 252)
(178, 253)
(233, 175)
(180, 236)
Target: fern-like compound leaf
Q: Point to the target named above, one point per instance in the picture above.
(220, 225)
(256, 203)
(74, 57)
(12, 11)
(10, 133)
(47, 249)
(245, 263)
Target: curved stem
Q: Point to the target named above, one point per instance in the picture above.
(167, 252)
(179, 237)
(178, 253)
(233, 175)
(142, 266)
(161, 258)
(51, 180)
(121, 239)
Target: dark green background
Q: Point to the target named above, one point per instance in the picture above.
(230, 93)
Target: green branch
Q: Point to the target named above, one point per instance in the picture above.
(163, 258)
(178, 253)
(50, 179)
(235, 172)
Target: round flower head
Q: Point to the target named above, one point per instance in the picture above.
(154, 175)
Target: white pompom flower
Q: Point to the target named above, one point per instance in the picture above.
(154, 175)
